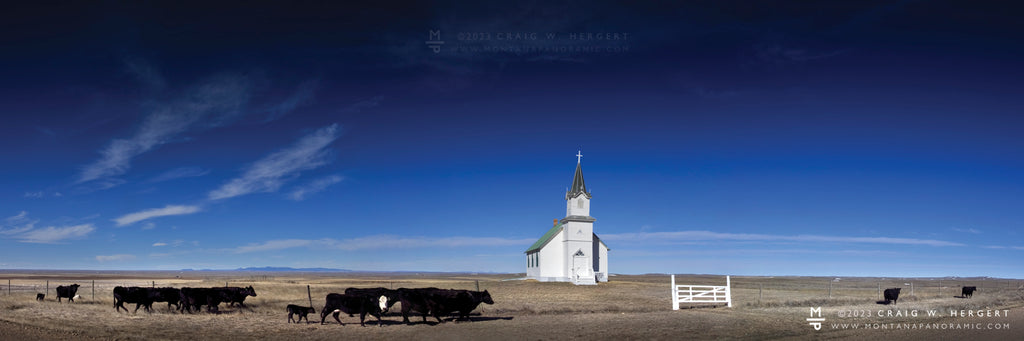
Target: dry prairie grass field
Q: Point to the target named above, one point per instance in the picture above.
(630, 307)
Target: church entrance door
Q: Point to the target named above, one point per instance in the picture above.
(580, 265)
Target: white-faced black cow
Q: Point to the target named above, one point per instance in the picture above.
(967, 292)
(891, 295)
(352, 304)
(299, 310)
(392, 295)
(40, 297)
(67, 291)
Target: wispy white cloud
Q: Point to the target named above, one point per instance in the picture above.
(708, 235)
(998, 247)
(779, 54)
(270, 172)
(180, 172)
(303, 95)
(272, 245)
(38, 194)
(50, 235)
(159, 244)
(23, 228)
(208, 104)
(17, 224)
(145, 72)
(381, 241)
(363, 105)
(168, 210)
(299, 193)
(16, 218)
(114, 258)
(967, 230)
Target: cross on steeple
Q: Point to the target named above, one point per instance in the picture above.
(578, 156)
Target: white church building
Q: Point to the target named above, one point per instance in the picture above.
(570, 251)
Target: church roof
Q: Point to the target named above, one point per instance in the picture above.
(577, 184)
(544, 239)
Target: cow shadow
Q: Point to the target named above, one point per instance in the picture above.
(883, 302)
(433, 322)
(489, 318)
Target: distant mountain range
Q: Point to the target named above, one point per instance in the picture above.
(276, 269)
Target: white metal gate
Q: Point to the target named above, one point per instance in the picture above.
(701, 294)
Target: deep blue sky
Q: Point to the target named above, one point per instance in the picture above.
(851, 138)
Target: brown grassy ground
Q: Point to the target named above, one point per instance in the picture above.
(630, 307)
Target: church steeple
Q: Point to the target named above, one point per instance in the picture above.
(578, 186)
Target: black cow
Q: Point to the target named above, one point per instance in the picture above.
(891, 295)
(40, 297)
(67, 291)
(351, 304)
(967, 292)
(170, 295)
(416, 299)
(193, 298)
(463, 301)
(234, 295)
(299, 310)
(139, 296)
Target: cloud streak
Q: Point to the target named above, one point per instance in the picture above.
(303, 95)
(381, 241)
(114, 258)
(300, 193)
(180, 172)
(168, 210)
(22, 228)
(208, 104)
(708, 235)
(145, 73)
(272, 171)
(52, 235)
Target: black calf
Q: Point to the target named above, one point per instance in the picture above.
(299, 310)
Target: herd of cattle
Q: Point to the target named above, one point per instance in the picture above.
(186, 299)
(363, 301)
(893, 294)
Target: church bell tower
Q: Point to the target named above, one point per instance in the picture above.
(580, 229)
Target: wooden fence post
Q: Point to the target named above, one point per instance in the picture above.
(911, 288)
(829, 289)
(879, 290)
(478, 285)
(47, 292)
(94, 290)
(8, 287)
(940, 288)
(759, 287)
(310, 294)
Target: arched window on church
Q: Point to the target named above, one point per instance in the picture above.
(579, 203)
